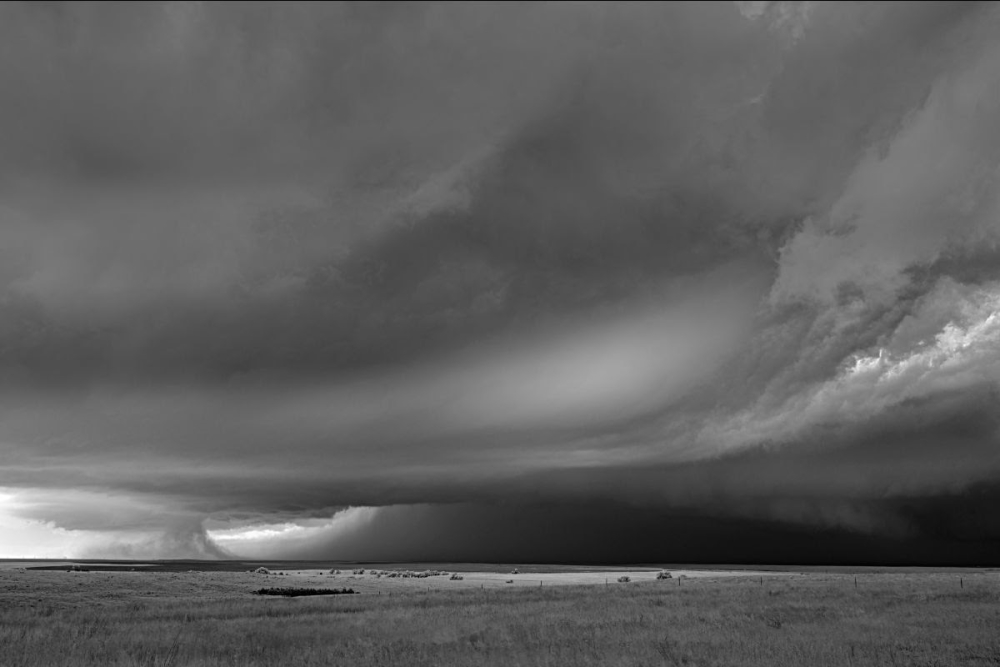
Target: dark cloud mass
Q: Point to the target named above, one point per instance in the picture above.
(501, 281)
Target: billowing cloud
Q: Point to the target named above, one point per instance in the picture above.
(487, 281)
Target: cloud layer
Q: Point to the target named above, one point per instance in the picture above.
(714, 270)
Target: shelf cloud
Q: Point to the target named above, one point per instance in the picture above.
(573, 282)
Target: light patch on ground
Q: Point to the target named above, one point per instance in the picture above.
(369, 582)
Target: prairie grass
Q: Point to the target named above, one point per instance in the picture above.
(816, 620)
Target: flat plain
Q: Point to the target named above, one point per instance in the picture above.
(156, 615)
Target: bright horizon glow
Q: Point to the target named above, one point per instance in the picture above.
(23, 538)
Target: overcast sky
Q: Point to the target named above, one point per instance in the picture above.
(514, 281)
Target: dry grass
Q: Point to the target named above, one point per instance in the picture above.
(126, 618)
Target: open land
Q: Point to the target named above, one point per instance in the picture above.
(200, 613)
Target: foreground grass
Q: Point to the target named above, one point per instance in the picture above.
(794, 621)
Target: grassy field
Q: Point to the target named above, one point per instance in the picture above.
(212, 618)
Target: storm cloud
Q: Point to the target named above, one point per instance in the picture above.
(500, 281)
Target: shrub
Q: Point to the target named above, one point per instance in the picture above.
(455, 576)
(664, 575)
(298, 592)
(624, 579)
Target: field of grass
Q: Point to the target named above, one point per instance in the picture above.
(208, 618)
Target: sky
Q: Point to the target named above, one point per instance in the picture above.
(537, 282)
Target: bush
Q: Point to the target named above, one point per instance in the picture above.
(410, 574)
(298, 592)
(624, 579)
(455, 576)
(664, 575)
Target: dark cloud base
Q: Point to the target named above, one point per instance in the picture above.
(953, 531)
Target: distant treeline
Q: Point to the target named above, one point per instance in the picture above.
(296, 592)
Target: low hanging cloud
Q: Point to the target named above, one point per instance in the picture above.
(500, 281)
